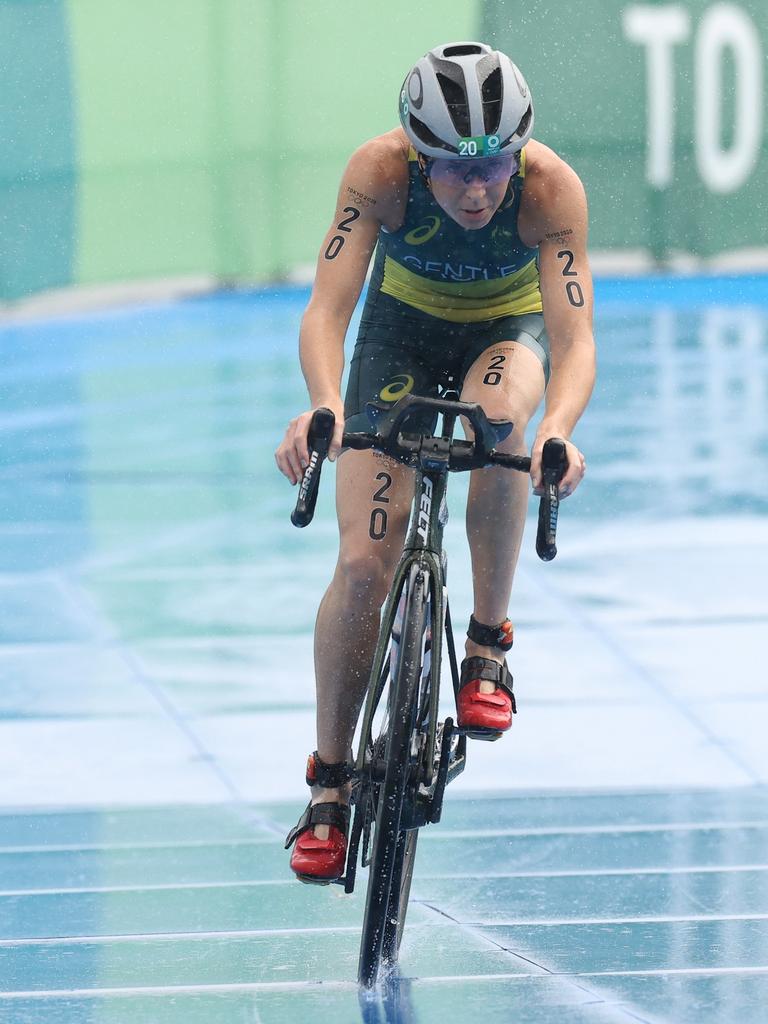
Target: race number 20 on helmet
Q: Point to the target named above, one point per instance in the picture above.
(465, 100)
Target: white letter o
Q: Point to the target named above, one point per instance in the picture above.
(725, 26)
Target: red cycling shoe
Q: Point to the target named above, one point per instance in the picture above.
(321, 861)
(485, 716)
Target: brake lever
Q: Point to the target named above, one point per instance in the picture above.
(319, 440)
(554, 464)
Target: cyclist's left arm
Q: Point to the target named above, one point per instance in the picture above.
(566, 289)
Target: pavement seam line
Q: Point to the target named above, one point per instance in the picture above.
(105, 630)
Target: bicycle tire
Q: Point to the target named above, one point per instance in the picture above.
(388, 862)
(400, 890)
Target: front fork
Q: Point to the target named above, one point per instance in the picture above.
(436, 765)
(367, 770)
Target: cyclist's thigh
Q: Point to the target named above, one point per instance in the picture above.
(382, 374)
(508, 376)
(374, 493)
(373, 503)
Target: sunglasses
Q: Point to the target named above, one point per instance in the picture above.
(491, 170)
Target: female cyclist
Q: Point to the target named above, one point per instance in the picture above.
(480, 276)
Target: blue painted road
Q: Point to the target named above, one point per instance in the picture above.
(606, 862)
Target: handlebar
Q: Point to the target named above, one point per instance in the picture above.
(436, 453)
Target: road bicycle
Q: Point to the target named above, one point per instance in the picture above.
(405, 755)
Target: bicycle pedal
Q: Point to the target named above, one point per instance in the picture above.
(489, 735)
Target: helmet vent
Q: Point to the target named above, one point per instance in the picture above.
(521, 129)
(427, 136)
(492, 97)
(456, 100)
(464, 50)
(525, 120)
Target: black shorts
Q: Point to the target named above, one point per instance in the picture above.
(402, 351)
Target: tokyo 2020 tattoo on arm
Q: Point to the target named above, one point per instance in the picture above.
(336, 244)
(360, 198)
(572, 287)
(559, 236)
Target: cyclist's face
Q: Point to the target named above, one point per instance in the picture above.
(471, 191)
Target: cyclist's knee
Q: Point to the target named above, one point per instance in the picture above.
(515, 441)
(364, 574)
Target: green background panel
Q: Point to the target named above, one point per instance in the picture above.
(573, 57)
(37, 148)
(144, 85)
(208, 136)
(214, 132)
(589, 87)
(146, 76)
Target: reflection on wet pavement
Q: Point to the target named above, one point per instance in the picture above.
(605, 863)
(586, 937)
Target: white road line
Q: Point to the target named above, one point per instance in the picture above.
(259, 933)
(421, 878)
(170, 887)
(441, 835)
(592, 872)
(583, 830)
(651, 919)
(165, 844)
(161, 990)
(256, 933)
(350, 986)
(664, 971)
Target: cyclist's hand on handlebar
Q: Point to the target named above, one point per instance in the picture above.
(576, 464)
(292, 456)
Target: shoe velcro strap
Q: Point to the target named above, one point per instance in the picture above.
(301, 826)
(505, 684)
(480, 668)
(333, 814)
(490, 671)
(329, 776)
(500, 635)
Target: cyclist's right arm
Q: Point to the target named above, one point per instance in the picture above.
(366, 199)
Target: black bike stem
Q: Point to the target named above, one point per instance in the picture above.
(553, 465)
(319, 439)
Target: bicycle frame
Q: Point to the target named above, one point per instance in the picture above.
(423, 549)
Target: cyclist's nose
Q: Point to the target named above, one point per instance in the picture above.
(475, 189)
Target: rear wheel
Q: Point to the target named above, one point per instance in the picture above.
(393, 848)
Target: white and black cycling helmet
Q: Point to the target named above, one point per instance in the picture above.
(466, 100)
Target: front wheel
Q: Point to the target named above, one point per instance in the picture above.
(393, 848)
(399, 891)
